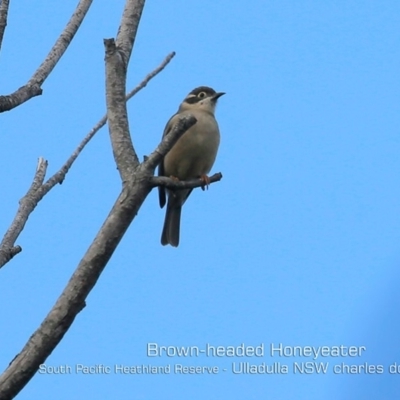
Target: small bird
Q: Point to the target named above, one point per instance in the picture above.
(191, 157)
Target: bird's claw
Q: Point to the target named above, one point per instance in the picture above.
(206, 182)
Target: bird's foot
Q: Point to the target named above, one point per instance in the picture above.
(205, 180)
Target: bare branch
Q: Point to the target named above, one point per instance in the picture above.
(117, 59)
(3, 18)
(128, 28)
(20, 96)
(26, 205)
(124, 153)
(33, 87)
(72, 300)
(151, 75)
(174, 184)
(62, 43)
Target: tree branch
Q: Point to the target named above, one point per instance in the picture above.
(124, 153)
(151, 75)
(3, 18)
(20, 96)
(117, 58)
(26, 205)
(62, 43)
(72, 300)
(128, 27)
(174, 184)
(33, 87)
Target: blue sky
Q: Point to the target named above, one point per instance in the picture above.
(298, 244)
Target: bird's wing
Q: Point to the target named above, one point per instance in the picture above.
(161, 190)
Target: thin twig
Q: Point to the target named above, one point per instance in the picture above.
(150, 76)
(191, 184)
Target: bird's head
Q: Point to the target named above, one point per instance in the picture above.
(202, 98)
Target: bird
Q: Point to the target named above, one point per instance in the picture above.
(191, 157)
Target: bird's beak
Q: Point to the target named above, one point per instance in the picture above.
(218, 95)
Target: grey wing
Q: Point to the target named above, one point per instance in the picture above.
(161, 190)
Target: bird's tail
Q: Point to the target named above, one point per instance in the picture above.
(172, 222)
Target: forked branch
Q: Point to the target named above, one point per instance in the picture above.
(8, 249)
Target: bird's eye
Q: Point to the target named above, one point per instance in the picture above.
(201, 95)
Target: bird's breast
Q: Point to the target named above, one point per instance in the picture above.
(194, 153)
